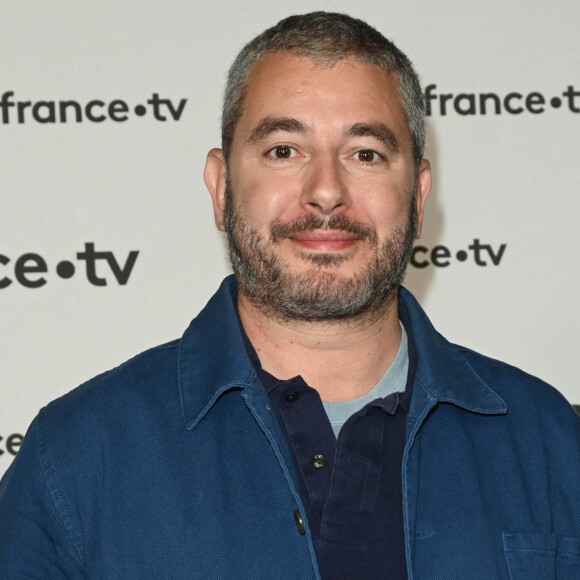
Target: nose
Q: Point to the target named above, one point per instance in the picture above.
(325, 188)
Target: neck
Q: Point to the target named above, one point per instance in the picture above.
(341, 359)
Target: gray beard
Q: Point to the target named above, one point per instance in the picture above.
(319, 295)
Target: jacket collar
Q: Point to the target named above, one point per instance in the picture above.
(443, 374)
(212, 356)
(213, 360)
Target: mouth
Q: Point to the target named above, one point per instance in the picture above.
(324, 240)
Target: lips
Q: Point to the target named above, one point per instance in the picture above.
(325, 240)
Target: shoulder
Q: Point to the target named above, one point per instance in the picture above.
(103, 426)
(522, 392)
(139, 373)
(130, 391)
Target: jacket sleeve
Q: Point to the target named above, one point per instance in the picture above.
(34, 540)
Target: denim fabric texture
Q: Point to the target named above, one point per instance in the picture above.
(173, 465)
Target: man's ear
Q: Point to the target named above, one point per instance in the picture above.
(423, 189)
(214, 176)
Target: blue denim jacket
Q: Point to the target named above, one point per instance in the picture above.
(173, 466)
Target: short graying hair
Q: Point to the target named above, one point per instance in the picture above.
(325, 38)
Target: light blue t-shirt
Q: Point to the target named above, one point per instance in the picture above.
(393, 381)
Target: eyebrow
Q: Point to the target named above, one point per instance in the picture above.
(271, 125)
(377, 130)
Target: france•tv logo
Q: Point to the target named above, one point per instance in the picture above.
(28, 269)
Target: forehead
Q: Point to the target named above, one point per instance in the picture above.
(285, 85)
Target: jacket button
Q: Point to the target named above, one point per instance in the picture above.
(291, 397)
(299, 522)
(318, 461)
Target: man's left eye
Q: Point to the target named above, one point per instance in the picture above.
(281, 152)
(367, 156)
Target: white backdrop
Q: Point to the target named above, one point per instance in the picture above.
(121, 172)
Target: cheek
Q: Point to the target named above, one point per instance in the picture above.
(265, 199)
(383, 207)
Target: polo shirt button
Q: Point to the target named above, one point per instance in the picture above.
(319, 461)
(292, 397)
(299, 522)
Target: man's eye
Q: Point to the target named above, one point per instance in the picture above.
(281, 152)
(367, 156)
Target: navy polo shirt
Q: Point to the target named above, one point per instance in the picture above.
(351, 486)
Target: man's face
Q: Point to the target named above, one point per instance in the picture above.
(321, 204)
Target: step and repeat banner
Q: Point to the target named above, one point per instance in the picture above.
(107, 240)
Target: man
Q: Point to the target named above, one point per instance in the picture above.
(310, 422)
